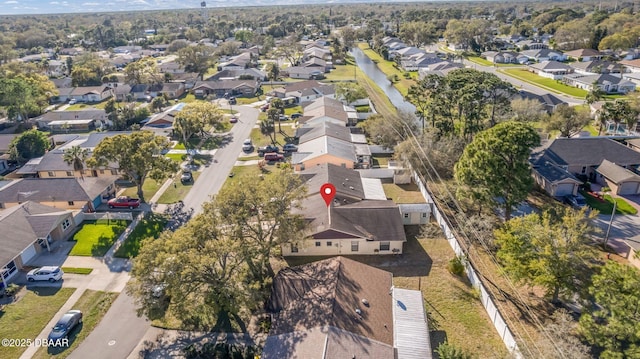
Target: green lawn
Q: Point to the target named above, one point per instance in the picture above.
(550, 84)
(176, 157)
(27, 317)
(151, 226)
(241, 172)
(346, 72)
(403, 193)
(479, 60)
(149, 188)
(177, 191)
(186, 98)
(94, 305)
(96, 237)
(291, 110)
(259, 139)
(606, 206)
(76, 270)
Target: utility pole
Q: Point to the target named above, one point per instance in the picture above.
(606, 237)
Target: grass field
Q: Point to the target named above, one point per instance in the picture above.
(259, 139)
(94, 305)
(404, 193)
(479, 60)
(76, 270)
(242, 172)
(96, 237)
(149, 188)
(151, 226)
(178, 190)
(606, 206)
(550, 84)
(27, 317)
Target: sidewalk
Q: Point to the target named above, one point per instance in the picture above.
(115, 281)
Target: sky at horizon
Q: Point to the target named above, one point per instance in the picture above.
(32, 7)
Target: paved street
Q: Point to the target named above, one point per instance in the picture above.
(212, 178)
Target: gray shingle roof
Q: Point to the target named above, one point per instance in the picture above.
(314, 131)
(590, 152)
(347, 181)
(325, 145)
(615, 173)
(22, 225)
(55, 189)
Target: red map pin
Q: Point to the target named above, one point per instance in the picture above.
(328, 191)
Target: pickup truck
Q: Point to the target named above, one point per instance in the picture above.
(267, 149)
(124, 202)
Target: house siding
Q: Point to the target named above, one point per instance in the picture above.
(341, 247)
(325, 159)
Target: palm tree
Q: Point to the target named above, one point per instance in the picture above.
(76, 156)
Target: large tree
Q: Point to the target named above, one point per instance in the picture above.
(566, 120)
(527, 110)
(494, 167)
(548, 249)
(76, 157)
(195, 117)
(219, 263)
(143, 71)
(613, 324)
(30, 144)
(136, 155)
(196, 59)
(618, 112)
(391, 130)
(350, 91)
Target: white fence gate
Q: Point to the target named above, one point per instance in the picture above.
(82, 216)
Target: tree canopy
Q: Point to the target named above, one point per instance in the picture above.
(494, 167)
(217, 265)
(567, 120)
(195, 116)
(350, 91)
(138, 156)
(30, 144)
(196, 59)
(613, 326)
(553, 251)
(76, 156)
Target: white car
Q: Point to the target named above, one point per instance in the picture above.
(247, 146)
(50, 273)
(72, 101)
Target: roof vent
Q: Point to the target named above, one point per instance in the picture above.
(365, 302)
(358, 311)
(351, 188)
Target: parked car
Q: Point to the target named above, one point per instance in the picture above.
(186, 177)
(247, 146)
(50, 273)
(575, 201)
(284, 118)
(72, 101)
(124, 202)
(232, 101)
(290, 147)
(233, 119)
(267, 149)
(296, 115)
(65, 325)
(273, 157)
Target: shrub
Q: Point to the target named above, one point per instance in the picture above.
(456, 266)
(449, 351)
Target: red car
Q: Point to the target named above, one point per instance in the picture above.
(124, 202)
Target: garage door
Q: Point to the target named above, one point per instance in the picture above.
(564, 189)
(28, 254)
(628, 188)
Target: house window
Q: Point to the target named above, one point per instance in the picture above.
(354, 246)
(385, 246)
(101, 172)
(66, 224)
(584, 169)
(318, 244)
(70, 203)
(51, 174)
(424, 214)
(294, 248)
(406, 215)
(329, 243)
(1, 205)
(114, 172)
(69, 173)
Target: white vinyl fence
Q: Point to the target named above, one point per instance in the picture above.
(82, 216)
(494, 314)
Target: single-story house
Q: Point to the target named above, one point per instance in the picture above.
(583, 155)
(171, 67)
(60, 126)
(540, 55)
(632, 77)
(551, 69)
(28, 229)
(621, 180)
(555, 180)
(122, 92)
(241, 61)
(505, 57)
(241, 88)
(607, 83)
(318, 64)
(596, 67)
(549, 101)
(325, 149)
(305, 73)
(91, 93)
(237, 74)
(340, 308)
(99, 117)
(304, 91)
(584, 54)
(632, 65)
(326, 107)
(75, 193)
(418, 61)
(5, 141)
(173, 90)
